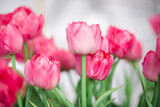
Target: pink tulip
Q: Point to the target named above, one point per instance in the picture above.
(67, 60)
(104, 44)
(28, 23)
(158, 46)
(151, 66)
(3, 63)
(83, 39)
(98, 65)
(42, 71)
(5, 18)
(10, 83)
(120, 41)
(10, 40)
(155, 23)
(42, 45)
(136, 52)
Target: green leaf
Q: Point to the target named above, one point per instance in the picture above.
(59, 97)
(104, 96)
(34, 97)
(109, 101)
(157, 96)
(32, 103)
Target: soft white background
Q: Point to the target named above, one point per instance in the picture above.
(132, 15)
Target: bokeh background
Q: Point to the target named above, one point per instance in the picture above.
(132, 15)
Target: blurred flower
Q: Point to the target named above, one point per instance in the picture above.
(10, 40)
(155, 22)
(10, 83)
(120, 41)
(3, 63)
(151, 66)
(42, 45)
(98, 65)
(83, 39)
(27, 22)
(158, 46)
(5, 18)
(67, 60)
(136, 52)
(42, 71)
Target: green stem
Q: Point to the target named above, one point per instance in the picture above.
(31, 50)
(44, 97)
(83, 80)
(89, 92)
(157, 93)
(25, 51)
(143, 85)
(14, 67)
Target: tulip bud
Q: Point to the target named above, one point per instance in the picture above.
(120, 41)
(98, 65)
(42, 71)
(151, 66)
(10, 40)
(83, 39)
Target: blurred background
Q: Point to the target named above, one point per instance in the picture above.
(132, 15)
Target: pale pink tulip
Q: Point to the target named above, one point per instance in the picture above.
(98, 65)
(104, 44)
(120, 41)
(42, 71)
(27, 22)
(83, 39)
(11, 40)
(151, 66)
(158, 46)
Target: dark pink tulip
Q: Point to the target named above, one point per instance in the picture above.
(83, 39)
(42, 71)
(27, 22)
(3, 63)
(10, 83)
(155, 22)
(5, 18)
(151, 66)
(98, 65)
(11, 40)
(120, 41)
(67, 60)
(158, 46)
(136, 52)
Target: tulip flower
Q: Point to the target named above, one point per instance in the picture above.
(151, 66)
(3, 63)
(104, 44)
(136, 52)
(155, 23)
(11, 40)
(5, 18)
(158, 46)
(42, 71)
(83, 39)
(120, 41)
(66, 59)
(27, 22)
(10, 83)
(98, 65)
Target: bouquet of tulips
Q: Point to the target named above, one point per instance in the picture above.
(93, 56)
